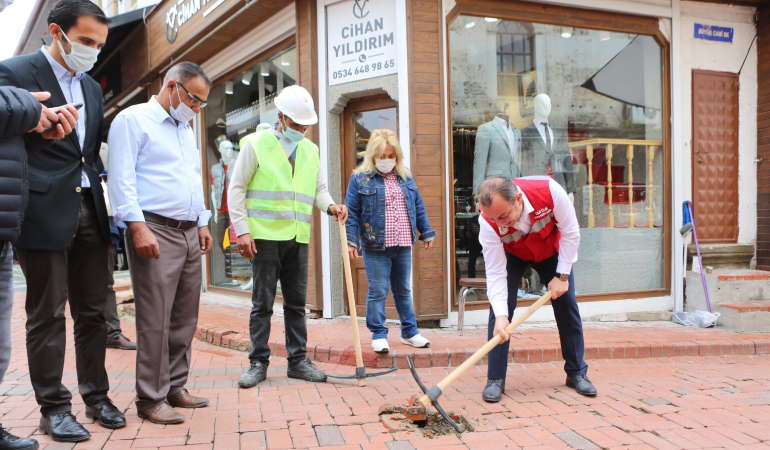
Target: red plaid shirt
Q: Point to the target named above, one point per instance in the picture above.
(398, 229)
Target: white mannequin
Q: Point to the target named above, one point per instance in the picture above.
(218, 171)
(542, 111)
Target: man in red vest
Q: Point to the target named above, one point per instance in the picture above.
(530, 222)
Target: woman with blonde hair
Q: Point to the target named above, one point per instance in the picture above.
(385, 212)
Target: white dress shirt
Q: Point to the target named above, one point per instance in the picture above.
(495, 263)
(541, 130)
(509, 132)
(154, 166)
(73, 93)
(245, 167)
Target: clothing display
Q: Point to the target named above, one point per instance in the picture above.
(545, 149)
(497, 151)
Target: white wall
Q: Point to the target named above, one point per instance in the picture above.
(724, 57)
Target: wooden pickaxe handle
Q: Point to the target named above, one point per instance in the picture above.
(482, 352)
(351, 300)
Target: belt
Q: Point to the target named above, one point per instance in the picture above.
(168, 223)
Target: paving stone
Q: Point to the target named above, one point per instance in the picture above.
(656, 401)
(329, 435)
(400, 445)
(575, 440)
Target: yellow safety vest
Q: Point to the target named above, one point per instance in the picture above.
(279, 204)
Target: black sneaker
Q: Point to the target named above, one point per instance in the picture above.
(11, 442)
(257, 373)
(305, 370)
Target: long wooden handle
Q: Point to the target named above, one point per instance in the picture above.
(351, 300)
(482, 352)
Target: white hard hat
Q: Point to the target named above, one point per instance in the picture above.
(264, 126)
(296, 103)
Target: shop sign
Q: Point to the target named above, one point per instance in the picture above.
(712, 33)
(183, 10)
(361, 40)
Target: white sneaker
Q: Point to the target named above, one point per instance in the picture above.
(416, 341)
(380, 345)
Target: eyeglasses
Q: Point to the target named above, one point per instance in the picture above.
(193, 98)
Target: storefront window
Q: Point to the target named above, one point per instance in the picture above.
(236, 107)
(584, 106)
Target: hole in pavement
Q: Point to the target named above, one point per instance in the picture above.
(433, 426)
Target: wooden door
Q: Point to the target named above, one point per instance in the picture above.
(715, 156)
(359, 119)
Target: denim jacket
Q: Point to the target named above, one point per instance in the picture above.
(365, 200)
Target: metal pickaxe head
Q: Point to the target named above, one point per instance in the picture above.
(433, 393)
(361, 373)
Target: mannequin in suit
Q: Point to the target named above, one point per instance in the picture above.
(219, 183)
(498, 144)
(545, 150)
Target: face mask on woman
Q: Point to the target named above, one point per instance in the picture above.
(385, 165)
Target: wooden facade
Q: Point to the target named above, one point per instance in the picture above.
(426, 97)
(763, 142)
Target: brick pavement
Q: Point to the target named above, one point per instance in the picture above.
(679, 402)
(224, 321)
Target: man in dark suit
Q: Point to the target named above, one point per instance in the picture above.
(63, 244)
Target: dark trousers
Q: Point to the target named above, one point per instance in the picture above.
(565, 309)
(284, 261)
(111, 306)
(77, 274)
(167, 294)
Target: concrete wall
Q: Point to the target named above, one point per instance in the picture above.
(724, 57)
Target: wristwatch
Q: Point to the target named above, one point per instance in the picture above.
(562, 276)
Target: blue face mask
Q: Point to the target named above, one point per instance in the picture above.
(291, 134)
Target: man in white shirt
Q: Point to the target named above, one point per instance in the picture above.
(530, 222)
(156, 193)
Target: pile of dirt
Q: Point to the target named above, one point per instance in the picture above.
(432, 427)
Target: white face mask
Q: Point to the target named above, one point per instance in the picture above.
(4, 4)
(182, 113)
(81, 58)
(385, 165)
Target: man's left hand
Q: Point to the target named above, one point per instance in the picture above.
(341, 211)
(558, 287)
(428, 245)
(205, 239)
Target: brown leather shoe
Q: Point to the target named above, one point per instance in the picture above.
(183, 399)
(162, 414)
(121, 343)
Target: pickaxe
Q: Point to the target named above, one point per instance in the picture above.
(416, 409)
(361, 374)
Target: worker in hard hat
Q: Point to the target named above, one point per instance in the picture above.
(274, 185)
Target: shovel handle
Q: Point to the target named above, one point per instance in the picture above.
(483, 351)
(351, 299)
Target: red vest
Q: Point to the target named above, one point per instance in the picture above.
(542, 242)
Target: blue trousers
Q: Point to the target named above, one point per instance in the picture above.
(565, 309)
(389, 269)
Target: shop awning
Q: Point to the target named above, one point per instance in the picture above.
(633, 76)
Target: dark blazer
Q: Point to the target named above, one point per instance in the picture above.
(535, 157)
(19, 113)
(54, 171)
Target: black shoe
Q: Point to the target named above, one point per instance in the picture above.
(257, 373)
(121, 343)
(582, 385)
(11, 442)
(63, 427)
(305, 370)
(494, 390)
(109, 416)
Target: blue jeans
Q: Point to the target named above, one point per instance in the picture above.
(386, 269)
(6, 305)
